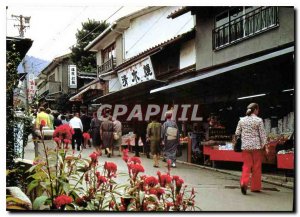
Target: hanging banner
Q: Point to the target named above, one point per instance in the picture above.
(136, 73)
(72, 74)
(31, 87)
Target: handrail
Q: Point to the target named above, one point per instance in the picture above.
(230, 28)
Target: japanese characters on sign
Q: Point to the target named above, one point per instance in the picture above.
(72, 72)
(31, 87)
(136, 73)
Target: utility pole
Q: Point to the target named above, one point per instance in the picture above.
(26, 86)
(24, 23)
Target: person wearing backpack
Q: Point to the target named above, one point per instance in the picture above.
(154, 138)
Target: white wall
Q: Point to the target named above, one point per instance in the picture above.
(153, 28)
(114, 85)
(187, 54)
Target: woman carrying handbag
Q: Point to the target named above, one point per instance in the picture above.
(253, 139)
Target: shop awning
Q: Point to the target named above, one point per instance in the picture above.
(78, 96)
(225, 69)
(130, 92)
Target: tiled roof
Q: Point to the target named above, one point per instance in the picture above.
(154, 49)
(179, 12)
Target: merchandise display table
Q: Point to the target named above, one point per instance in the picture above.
(285, 161)
(231, 156)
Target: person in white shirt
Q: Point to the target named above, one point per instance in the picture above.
(76, 124)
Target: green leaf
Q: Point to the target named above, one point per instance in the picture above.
(31, 169)
(15, 200)
(142, 196)
(38, 202)
(14, 207)
(32, 185)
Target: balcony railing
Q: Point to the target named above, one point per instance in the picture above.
(52, 87)
(248, 25)
(107, 66)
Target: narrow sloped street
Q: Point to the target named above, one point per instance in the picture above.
(216, 191)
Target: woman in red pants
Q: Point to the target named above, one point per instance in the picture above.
(253, 135)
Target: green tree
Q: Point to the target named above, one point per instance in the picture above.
(13, 60)
(85, 60)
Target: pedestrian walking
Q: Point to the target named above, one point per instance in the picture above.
(86, 123)
(64, 120)
(42, 116)
(154, 139)
(76, 124)
(139, 128)
(95, 132)
(57, 122)
(170, 139)
(253, 137)
(106, 133)
(118, 135)
(51, 118)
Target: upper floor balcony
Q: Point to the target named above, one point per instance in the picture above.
(250, 24)
(107, 66)
(51, 86)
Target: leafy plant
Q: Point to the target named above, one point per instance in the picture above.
(68, 182)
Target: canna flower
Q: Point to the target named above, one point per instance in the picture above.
(62, 200)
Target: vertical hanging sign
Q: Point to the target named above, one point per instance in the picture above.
(31, 87)
(72, 74)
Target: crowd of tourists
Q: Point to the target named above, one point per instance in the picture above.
(159, 140)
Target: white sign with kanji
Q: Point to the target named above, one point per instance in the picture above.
(72, 74)
(31, 87)
(136, 73)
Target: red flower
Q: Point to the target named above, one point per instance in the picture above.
(136, 168)
(111, 204)
(179, 199)
(151, 181)
(111, 168)
(62, 200)
(67, 141)
(87, 177)
(125, 158)
(56, 139)
(193, 191)
(153, 191)
(160, 192)
(135, 160)
(165, 179)
(93, 156)
(101, 179)
(43, 123)
(179, 182)
(86, 136)
(63, 132)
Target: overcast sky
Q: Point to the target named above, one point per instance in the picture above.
(53, 28)
(54, 23)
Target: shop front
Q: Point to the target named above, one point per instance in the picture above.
(223, 95)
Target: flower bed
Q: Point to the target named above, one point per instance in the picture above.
(65, 181)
